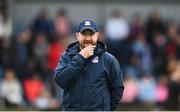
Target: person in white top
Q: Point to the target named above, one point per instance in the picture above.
(11, 90)
(5, 25)
(117, 27)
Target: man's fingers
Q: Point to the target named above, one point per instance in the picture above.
(93, 46)
(92, 49)
(92, 52)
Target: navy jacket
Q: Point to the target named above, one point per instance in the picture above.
(95, 83)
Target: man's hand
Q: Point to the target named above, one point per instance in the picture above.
(87, 51)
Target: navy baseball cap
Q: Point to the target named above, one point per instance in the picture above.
(87, 24)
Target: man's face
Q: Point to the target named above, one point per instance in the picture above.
(87, 38)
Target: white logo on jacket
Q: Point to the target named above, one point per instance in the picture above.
(95, 60)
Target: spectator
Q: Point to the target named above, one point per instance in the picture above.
(171, 39)
(137, 26)
(147, 90)
(23, 53)
(154, 25)
(142, 49)
(117, 27)
(33, 88)
(134, 69)
(62, 24)
(22, 47)
(43, 24)
(45, 101)
(116, 33)
(54, 52)
(11, 90)
(40, 47)
(162, 91)
(7, 53)
(5, 24)
(159, 53)
(131, 90)
(174, 84)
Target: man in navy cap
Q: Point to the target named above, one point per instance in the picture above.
(90, 76)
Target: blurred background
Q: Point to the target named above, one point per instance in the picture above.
(143, 35)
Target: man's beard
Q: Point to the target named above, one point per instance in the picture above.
(87, 43)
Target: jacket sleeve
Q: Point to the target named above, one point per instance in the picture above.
(115, 84)
(67, 70)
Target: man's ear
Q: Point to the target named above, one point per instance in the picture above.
(77, 35)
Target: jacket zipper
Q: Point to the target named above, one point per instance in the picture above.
(102, 101)
(82, 90)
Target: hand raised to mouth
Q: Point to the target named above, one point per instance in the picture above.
(87, 51)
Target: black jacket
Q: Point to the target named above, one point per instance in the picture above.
(95, 83)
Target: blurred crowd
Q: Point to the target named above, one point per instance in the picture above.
(148, 50)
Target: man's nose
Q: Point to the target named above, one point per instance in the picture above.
(87, 38)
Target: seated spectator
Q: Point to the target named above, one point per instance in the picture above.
(40, 47)
(147, 89)
(171, 36)
(33, 88)
(130, 91)
(174, 84)
(11, 90)
(173, 68)
(154, 24)
(137, 26)
(117, 27)
(159, 53)
(62, 24)
(22, 47)
(134, 69)
(5, 24)
(43, 23)
(162, 91)
(45, 101)
(142, 49)
(55, 50)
